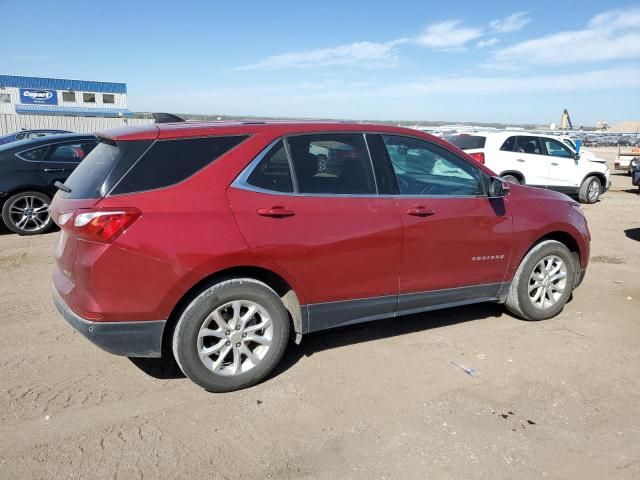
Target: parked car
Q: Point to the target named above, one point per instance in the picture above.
(213, 242)
(584, 153)
(538, 160)
(29, 135)
(28, 172)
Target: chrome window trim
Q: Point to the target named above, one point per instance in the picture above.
(241, 183)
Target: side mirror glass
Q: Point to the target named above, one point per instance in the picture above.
(498, 187)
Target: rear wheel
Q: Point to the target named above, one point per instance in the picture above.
(511, 179)
(27, 213)
(232, 335)
(543, 282)
(590, 190)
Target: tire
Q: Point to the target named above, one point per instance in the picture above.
(523, 304)
(511, 179)
(590, 190)
(27, 213)
(225, 298)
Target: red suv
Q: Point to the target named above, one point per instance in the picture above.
(216, 242)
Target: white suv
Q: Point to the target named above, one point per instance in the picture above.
(537, 160)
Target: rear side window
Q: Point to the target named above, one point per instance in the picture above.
(168, 162)
(273, 172)
(336, 163)
(71, 152)
(34, 154)
(528, 145)
(508, 144)
(467, 142)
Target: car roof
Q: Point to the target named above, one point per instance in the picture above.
(40, 141)
(278, 127)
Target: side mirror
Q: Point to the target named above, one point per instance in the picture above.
(498, 187)
(576, 156)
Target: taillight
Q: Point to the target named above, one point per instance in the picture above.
(479, 156)
(98, 225)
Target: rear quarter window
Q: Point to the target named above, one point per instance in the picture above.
(467, 142)
(168, 162)
(102, 168)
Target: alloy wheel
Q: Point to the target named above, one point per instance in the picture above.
(547, 282)
(29, 213)
(235, 337)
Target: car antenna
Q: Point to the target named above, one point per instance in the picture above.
(167, 118)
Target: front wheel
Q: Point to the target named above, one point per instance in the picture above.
(232, 335)
(543, 282)
(590, 190)
(27, 213)
(511, 179)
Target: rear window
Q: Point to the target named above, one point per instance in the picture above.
(168, 162)
(467, 142)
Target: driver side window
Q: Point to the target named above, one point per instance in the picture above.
(423, 168)
(556, 149)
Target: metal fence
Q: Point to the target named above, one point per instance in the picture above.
(14, 123)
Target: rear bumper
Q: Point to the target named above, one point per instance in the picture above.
(131, 339)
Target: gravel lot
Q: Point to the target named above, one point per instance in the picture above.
(555, 399)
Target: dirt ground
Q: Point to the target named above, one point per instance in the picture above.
(555, 399)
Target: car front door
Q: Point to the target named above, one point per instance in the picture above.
(456, 240)
(324, 224)
(62, 158)
(564, 169)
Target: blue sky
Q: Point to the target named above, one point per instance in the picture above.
(452, 61)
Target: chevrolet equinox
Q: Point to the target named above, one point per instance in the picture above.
(218, 242)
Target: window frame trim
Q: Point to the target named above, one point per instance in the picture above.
(240, 182)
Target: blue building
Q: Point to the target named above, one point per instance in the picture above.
(58, 96)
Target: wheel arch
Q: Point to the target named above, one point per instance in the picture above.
(515, 173)
(601, 176)
(270, 278)
(568, 240)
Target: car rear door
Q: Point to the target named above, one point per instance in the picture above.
(530, 159)
(327, 227)
(456, 241)
(62, 158)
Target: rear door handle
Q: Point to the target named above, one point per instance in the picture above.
(54, 169)
(276, 212)
(420, 211)
(555, 164)
(520, 160)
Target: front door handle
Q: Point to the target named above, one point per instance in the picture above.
(520, 160)
(54, 169)
(555, 164)
(276, 212)
(420, 211)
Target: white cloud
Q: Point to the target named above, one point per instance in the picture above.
(487, 43)
(512, 23)
(369, 54)
(608, 36)
(446, 35)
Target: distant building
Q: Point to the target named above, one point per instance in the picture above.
(62, 97)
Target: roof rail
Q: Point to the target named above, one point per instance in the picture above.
(167, 118)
